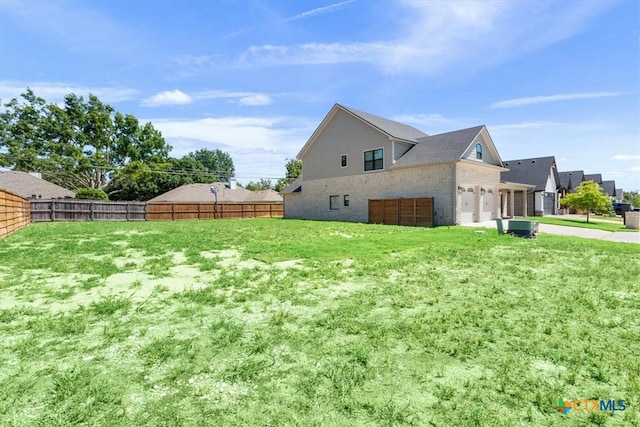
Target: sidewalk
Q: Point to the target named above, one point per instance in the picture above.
(588, 233)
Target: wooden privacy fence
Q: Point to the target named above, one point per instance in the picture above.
(417, 212)
(86, 210)
(14, 213)
(210, 210)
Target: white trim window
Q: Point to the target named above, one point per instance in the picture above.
(343, 161)
(345, 200)
(374, 160)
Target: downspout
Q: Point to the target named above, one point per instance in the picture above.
(454, 193)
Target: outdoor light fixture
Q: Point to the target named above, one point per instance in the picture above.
(460, 189)
(483, 191)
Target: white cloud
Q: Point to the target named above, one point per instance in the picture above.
(519, 102)
(635, 169)
(257, 145)
(167, 97)
(56, 91)
(527, 125)
(254, 100)
(241, 98)
(433, 36)
(626, 157)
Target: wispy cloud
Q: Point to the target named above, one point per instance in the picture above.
(56, 91)
(241, 98)
(449, 33)
(167, 97)
(527, 125)
(303, 15)
(626, 157)
(531, 100)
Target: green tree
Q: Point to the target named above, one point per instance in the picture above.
(263, 184)
(294, 170)
(632, 197)
(216, 165)
(79, 144)
(588, 197)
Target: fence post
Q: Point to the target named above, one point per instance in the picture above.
(144, 213)
(91, 208)
(126, 210)
(52, 214)
(199, 211)
(173, 211)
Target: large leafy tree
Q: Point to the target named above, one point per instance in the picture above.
(588, 197)
(263, 184)
(217, 164)
(632, 197)
(83, 143)
(294, 170)
(143, 181)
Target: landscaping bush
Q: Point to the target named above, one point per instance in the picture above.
(91, 194)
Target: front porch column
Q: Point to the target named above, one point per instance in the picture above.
(524, 203)
(512, 203)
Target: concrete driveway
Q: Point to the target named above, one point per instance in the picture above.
(588, 233)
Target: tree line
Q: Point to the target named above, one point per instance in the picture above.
(87, 144)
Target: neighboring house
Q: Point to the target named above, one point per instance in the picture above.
(32, 186)
(619, 195)
(569, 180)
(595, 177)
(540, 172)
(354, 156)
(609, 188)
(225, 192)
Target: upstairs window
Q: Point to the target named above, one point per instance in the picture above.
(343, 161)
(479, 151)
(373, 160)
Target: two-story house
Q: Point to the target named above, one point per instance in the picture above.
(353, 157)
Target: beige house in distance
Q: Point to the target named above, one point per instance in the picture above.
(355, 156)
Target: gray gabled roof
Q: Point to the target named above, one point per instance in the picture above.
(533, 171)
(392, 128)
(444, 147)
(594, 177)
(199, 193)
(565, 180)
(609, 188)
(28, 186)
(576, 177)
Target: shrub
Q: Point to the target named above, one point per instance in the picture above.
(91, 194)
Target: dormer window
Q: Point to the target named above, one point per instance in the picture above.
(479, 151)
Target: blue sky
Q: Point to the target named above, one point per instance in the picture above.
(255, 78)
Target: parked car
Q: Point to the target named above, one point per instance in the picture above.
(620, 208)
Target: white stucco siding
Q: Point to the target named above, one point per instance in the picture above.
(313, 201)
(344, 135)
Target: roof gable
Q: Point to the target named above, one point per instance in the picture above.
(569, 180)
(594, 177)
(390, 128)
(445, 147)
(534, 171)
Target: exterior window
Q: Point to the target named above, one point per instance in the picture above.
(373, 160)
(334, 202)
(479, 151)
(345, 200)
(343, 161)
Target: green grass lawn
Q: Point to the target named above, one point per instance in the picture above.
(597, 225)
(284, 322)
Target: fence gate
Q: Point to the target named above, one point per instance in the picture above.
(417, 212)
